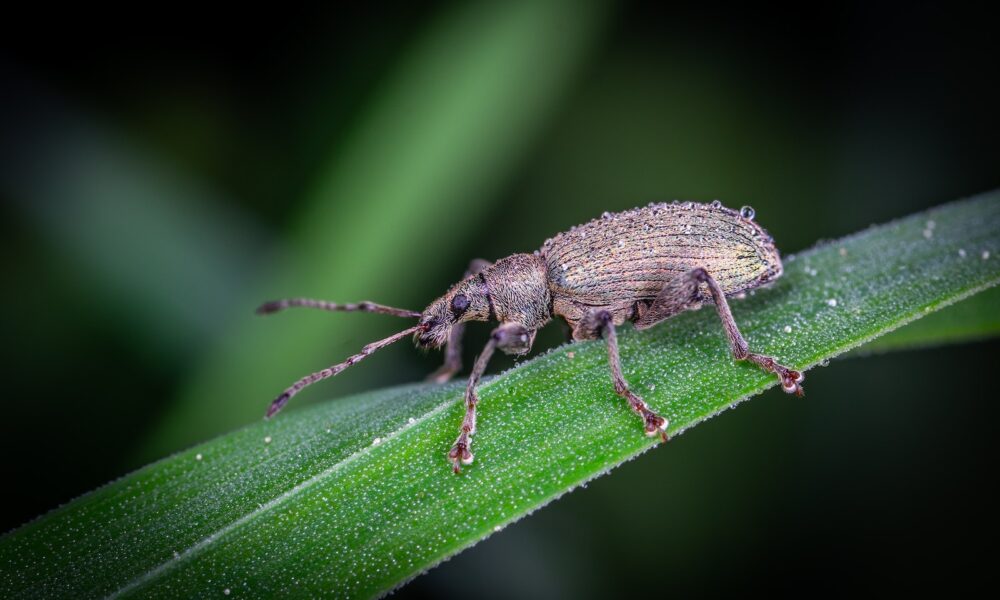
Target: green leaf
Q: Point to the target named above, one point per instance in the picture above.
(973, 319)
(354, 497)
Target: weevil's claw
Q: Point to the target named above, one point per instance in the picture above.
(459, 453)
(791, 382)
(791, 379)
(655, 424)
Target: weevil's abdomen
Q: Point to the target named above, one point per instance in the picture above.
(625, 257)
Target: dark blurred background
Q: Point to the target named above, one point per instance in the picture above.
(162, 172)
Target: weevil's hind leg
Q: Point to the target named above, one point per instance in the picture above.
(791, 380)
(510, 338)
(600, 323)
(453, 349)
(677, 295)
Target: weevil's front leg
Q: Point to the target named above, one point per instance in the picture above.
(453, 349)
(790, 380)
(600, 323)
(510, 338)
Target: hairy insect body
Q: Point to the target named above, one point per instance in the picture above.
(621, 262)
(519, 290)
(643, 265)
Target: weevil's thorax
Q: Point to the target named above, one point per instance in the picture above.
(518, 290)
(513, 289)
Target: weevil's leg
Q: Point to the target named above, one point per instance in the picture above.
(791, 380)
(453, 349)
(600, 322)
(677, 295)
(512, 339)
(276, 305)
(452, 356)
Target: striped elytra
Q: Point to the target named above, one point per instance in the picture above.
(633, 253)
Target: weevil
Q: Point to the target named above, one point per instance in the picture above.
(642, 265)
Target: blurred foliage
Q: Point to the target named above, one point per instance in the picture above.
(201, 169)
(447, 128)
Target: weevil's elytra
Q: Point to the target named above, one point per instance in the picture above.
(642, 265)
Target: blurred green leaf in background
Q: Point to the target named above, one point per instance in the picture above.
(419, 170)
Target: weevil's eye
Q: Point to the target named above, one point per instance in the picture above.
(459, 304)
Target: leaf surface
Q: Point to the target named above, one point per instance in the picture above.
(354, 497)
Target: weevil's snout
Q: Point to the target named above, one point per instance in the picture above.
(433, 334)
(434, 326)
(466, 301)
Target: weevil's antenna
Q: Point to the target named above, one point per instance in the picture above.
(281, 400)
(278, 305)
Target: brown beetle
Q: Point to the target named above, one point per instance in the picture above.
(642, 265)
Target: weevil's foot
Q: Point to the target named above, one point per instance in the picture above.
(791, 381)
(655, 424)
(460, 455)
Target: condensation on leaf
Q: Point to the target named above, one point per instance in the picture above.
(327, 512)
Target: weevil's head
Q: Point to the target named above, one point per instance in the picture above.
(468, 300)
